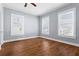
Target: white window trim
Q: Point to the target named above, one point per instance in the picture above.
(43, 18)
(74, 9)
(22, 33)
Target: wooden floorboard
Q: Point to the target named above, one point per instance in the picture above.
(38, 47)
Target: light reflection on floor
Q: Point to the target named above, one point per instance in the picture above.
(46, 48)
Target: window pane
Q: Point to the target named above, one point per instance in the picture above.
(45, 25)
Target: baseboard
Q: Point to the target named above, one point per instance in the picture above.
(0, 46)
(70, 43)
(20, 39)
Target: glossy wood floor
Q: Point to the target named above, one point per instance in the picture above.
(38, 47)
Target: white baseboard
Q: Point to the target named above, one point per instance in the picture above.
(0, 46)
(70, 43)
(20, 39)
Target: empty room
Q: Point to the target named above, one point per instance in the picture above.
(39, 29)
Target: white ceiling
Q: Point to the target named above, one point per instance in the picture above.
(41, 8)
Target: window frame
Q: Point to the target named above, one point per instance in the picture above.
(43, 20)
(73, 19)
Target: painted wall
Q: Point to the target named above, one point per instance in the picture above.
(1, 23)
(54, 23)
(30, 25)
(33, 24)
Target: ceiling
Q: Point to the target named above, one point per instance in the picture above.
(42, 8)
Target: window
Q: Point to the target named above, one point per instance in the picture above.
(45, 25)
(17, 24)
(66, 23)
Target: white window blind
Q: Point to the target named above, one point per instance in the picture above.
(17, 24)
(45, 25)
(66, 23)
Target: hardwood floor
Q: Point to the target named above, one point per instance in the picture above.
(38, 47)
